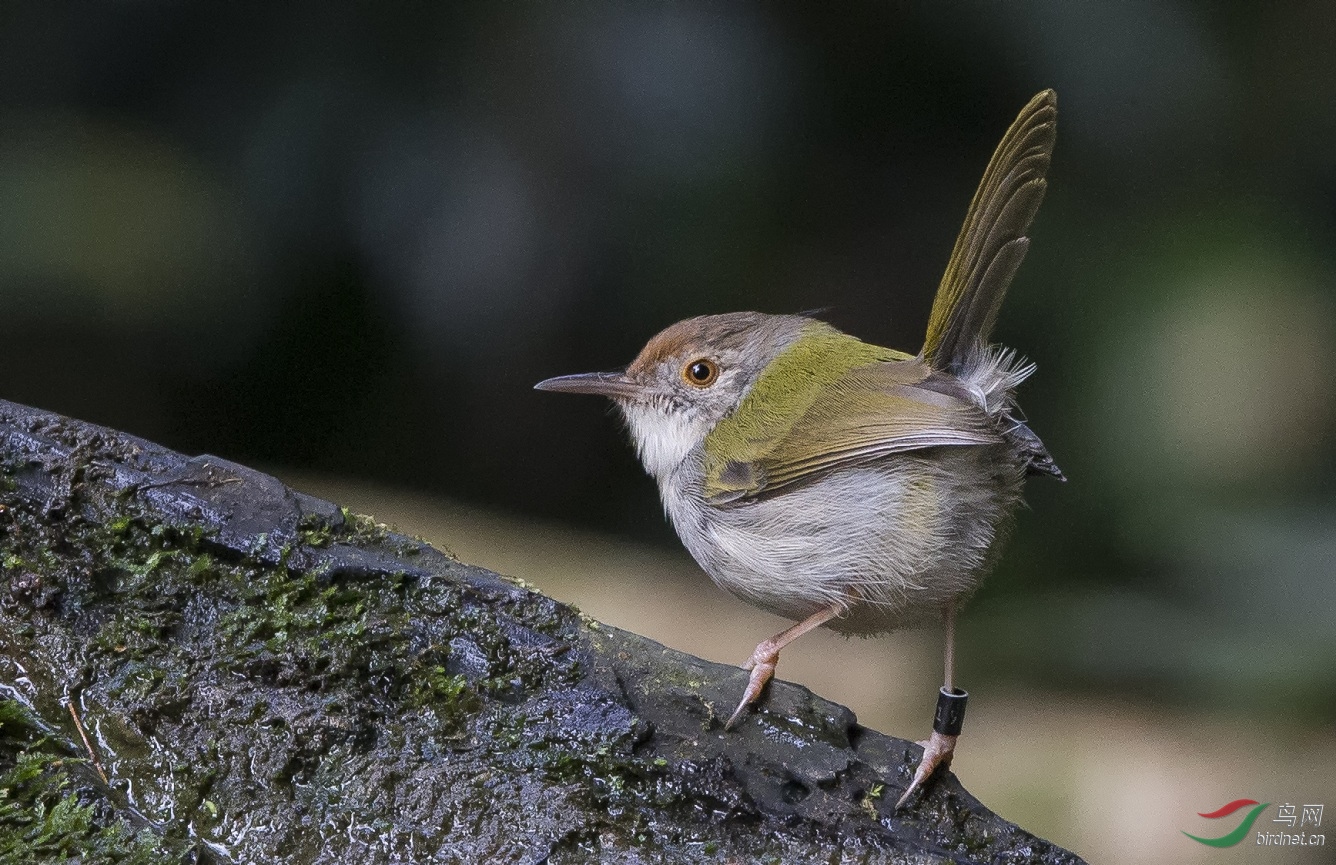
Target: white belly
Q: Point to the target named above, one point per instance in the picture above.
(898, 539)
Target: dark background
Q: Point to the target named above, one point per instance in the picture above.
(346, 238)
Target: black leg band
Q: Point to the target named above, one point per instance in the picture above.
(950, 715)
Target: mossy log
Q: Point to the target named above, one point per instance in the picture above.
(261, 676)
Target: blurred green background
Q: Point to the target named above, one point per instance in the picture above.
(342, 240)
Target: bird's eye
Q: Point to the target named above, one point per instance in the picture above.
(701, 373)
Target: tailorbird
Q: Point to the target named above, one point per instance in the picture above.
(838, 483)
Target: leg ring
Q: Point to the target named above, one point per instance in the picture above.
(950, 715)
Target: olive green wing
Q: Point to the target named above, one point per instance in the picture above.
(867, 413)
(992, 242)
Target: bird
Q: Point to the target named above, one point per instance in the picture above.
(838, 483)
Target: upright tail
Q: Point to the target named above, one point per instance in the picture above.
(992, 242)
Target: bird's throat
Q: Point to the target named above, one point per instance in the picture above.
(664, 436)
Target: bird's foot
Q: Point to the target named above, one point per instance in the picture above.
(937, 751)
(762, 665)
(763, 660)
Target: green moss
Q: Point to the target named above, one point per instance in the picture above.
(122, 636)
(149, 564)
(279, 611)
(436, 686)
(39, 560)
(362, 529)
(15, 723)
(201, 565)
(451, 697)
(315, 532)
(45, 815)
(610, 775)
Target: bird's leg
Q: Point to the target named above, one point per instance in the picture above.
(763, 660)
(939, 748)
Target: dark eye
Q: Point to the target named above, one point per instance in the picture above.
(701, 373)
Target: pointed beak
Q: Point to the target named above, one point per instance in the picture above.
(609, 384)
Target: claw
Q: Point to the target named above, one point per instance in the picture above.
(763, 660)
(937, 751)
(762, 669)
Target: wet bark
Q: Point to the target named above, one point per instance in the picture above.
(264, 677)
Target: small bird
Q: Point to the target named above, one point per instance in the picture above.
(838, 483)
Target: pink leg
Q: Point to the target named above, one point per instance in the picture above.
(763, 660)
(939, 747)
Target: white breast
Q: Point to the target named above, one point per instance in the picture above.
(663, 439)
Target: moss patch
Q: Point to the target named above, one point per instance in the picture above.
(50, 814)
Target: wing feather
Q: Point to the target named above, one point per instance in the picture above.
(870, 412)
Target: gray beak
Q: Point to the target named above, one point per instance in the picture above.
(609, 384)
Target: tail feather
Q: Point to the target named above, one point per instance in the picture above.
(992, 242)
